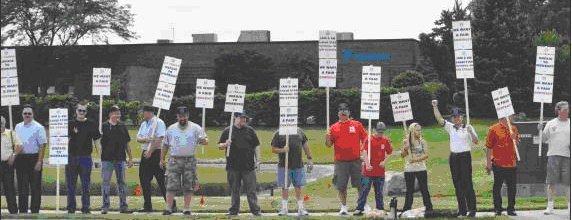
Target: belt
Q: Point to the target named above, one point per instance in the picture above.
(460, 153)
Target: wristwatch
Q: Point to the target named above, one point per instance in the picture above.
(309, 158)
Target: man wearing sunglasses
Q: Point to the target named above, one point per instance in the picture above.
(82, 133)
(29, 162)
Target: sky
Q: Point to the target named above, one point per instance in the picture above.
(287, 20)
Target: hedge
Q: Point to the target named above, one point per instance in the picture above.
(262, 107)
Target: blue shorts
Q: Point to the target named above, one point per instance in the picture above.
(296, 177)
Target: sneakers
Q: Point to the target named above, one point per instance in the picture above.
(358, 212)
(283, 212)
(302, 212)
(343, 210)
(549, 211)
(187, 213)
(167, 212)
(104, 211)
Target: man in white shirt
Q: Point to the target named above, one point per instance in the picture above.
(557, 135)
(11, 146)
(462, 137)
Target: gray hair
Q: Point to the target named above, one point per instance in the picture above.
(3, 121)
(559, 106)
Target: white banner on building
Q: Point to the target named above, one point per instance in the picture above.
(288, 92)
(503, 104)
(462, 39)
(545, 60)
(204, 97)
(543, 86)
(170, 70)
(401, 106)
(288, 120)
(327, 45)
(9, 67)
(58, 151)
(371, 79)
(101, 84)
(327, 72)
(370, 105)
(164, 95)
(464, 64)
(10, 92)
(234, 101)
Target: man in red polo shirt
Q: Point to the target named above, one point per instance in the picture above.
(347, 136)
(501, 159)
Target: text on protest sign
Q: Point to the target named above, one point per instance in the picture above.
(503, 104)
(464, 64)
(164, 95)
(10, 92)
(401, 106)
(288, 120)
(170, 70)
(101, 81)
(58, 122)
(543, 85)
(327, 72)
(204, 97)
(288, 92)
(462, 39)
(371, 79)
(327, 45)
(58, 150)
(370, 105)
(234, 101)
(545, 60)
(9, 67)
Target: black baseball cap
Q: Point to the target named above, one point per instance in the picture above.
(456, 112)
(148, 108)
(182, 110)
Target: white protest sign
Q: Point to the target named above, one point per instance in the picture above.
(370, 105)
(327, 45)
(543, 85)
(462, 39)
(234, 101)
(401, 106)
(10, 92)
(288, 120)
(464, 64)
(545, 60)
(288, 92)
(58, 122)
(371, 79)
(9, 68)
(503, 104)
(327, 72)
(170, 70)
(204, 97)
(58, 150)
(164, 95)
(101, 81)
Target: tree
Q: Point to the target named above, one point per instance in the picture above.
(64, 22)
(407, 78)
(246, 67)
(303, 69)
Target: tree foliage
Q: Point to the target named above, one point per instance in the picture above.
(64, 22)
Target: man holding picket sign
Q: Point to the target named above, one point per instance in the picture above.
(502, 151)
(348, 137)
(462, 137)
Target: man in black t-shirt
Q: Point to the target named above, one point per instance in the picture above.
(114, 145)
(82, 133)
(240, 164)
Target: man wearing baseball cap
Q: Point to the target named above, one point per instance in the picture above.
(241, 163)
(462, 137)
(182, 139)
(347, 136)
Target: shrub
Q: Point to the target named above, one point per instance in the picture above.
(407, 78)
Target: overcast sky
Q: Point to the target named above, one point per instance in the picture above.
(287, 20)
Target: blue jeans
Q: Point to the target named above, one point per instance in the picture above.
(107, 168)
(78, 165)
(366, 183)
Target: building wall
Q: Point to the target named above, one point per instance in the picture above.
(138, 65)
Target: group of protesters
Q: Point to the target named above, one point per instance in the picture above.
(359, 157)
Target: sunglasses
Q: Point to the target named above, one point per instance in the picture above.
(27, 113)
(81, 110)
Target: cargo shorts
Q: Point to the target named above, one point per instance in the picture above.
(181, 174)
(558, 170)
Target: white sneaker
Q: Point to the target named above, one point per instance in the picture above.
(343, 211)
(367, 208)
(549, 211)
(302, 211)
(283, 212)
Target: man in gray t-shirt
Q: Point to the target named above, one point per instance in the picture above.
(557, 134)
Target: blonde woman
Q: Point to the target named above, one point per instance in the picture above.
(414, 150)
